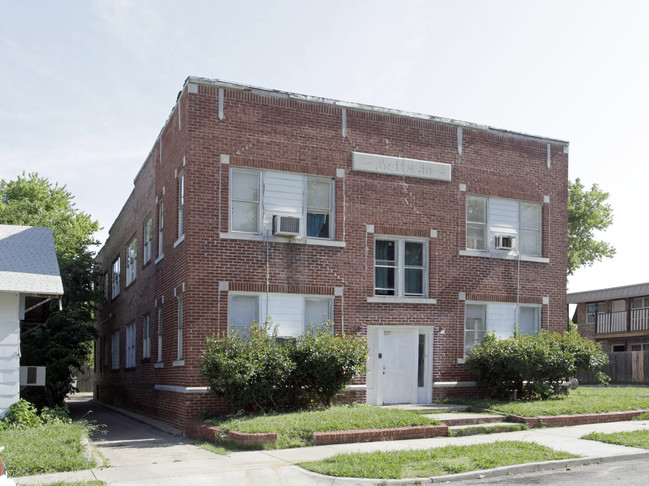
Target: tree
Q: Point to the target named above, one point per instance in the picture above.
(588, 211)
(65, 342)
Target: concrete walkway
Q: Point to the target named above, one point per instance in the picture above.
(138, 453)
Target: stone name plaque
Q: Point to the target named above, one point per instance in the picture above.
(383, 164)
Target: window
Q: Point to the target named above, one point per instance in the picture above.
(640, 303)
(106, 354)
(244, 310)
(503, 225)
(245, 198)
(292, 313)
(130, 346)
(148, 239)
(619, 348)
(181, 203)
(476, 223)
(160, 227)
(115, 277)
(592, 310)
(181, 311)
(159, 334)
(146, 337)
(400, 267)
(256, 196)
(115, 350)
(640, 347)
(317, 312)
(318, 207)
(131, 261)
(105, 285)
(503, 319)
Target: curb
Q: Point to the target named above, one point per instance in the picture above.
(485, 473)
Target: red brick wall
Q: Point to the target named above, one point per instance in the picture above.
(276, 133)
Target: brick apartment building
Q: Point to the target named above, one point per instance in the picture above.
(416, 232)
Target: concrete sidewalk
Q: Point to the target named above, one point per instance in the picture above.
(141, 455)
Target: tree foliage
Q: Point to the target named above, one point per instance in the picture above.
(255, 371)
(532, 366)
(588, 212)
(66, 340)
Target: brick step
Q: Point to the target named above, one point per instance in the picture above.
(453, 419)
(487, 424)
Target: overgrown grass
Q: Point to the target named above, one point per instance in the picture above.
(636, 438)
(434, 462)
(296, 429)
(583, 400)
(54, 447)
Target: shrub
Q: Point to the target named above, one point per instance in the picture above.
(21, 415)
(248, 370)
(254, 371)
(533, 366)
(324, 365)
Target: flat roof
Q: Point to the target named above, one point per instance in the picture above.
(636, 290)
(28, 261)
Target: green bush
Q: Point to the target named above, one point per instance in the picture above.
(324, 365)
(250, 371)
(254, 371)
(533, 366)
(21, 415)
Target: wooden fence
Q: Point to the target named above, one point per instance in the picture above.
(623, 367)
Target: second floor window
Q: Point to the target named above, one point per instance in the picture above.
(181, 204)
(148, 240)
(400, 267)
(115, 278)
(131, 261)
(146, 337)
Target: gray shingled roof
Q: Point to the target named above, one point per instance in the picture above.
(637, 290)
(28, 261)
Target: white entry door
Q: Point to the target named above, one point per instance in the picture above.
(396, 366)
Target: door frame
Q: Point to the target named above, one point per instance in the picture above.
(375, 384)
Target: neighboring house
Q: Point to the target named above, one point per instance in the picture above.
(617, 318)
(419, 233)
(29, 277)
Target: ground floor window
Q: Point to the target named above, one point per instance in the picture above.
(291, 313)
(503, 319)
(640, 347)
(130, 346)
(115, 350)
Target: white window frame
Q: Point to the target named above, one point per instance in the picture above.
(148, 240)
(262, 215)
(146, 336)
(327, 211)
(114, 350)
(489, 326)
(260, 309)
(181, 203)
(130, 345)
(489, 235)
(106, 285)
(234, 201)
(161, 219)
(115, 277)
(400, 267)
(160, 334)
(181, 325)
(131, 261)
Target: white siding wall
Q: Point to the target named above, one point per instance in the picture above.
(9, 350)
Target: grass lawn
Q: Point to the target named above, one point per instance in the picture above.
(44, 449)
(296, 429)
(636, 438)
(583, 400)
(434, 462)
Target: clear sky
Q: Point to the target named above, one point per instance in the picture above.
(87, 85)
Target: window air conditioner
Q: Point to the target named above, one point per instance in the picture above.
(32, 376)
(504, 242)
(286, 225)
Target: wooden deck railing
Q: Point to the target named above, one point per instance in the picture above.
(612, 322)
